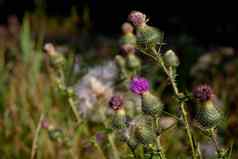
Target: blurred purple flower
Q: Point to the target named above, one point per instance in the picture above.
(139, 85)
(203, 92)
(116, 102)
(137, 18)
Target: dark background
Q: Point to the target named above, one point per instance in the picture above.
(209, 23)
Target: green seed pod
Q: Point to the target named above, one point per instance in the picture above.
(119, 119)
(151, 105)
(133, 62)
(171, 58)
(143, 130)
(147, 37)
(207, 114)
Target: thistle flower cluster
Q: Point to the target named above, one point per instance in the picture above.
(142, 129)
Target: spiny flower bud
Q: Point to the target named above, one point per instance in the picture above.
(137, 18)
(151, 105)
(116, 103)
(127, 28)
(133, 63)
(207, 114)
(120, 61)
(171, 58)
(147, 37)
(139, 85)
(119, 118)
(121, 65)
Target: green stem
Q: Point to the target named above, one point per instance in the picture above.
(187, 127)
(175, 88)
(160, 149)
(114, 149)
(73, 107)
(35, 140)
(213, 137)
(159, 146)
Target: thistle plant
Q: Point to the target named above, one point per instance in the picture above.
(149, 40)
(57, 61)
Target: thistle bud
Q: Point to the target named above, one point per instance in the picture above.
(151, 105)
(119, 118)
(143, 131)
(171, 58)
(127, 28)
(121, 65)
(56, 59)
(120, 61)
(128, 36)
(133, 63)
(207, 114)
(146, 35)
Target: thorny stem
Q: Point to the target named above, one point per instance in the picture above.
(35, 140)
(169, 73)
(73, 107)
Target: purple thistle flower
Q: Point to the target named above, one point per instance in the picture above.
(203, 92)
(116, 102)
(137, 18)
(139, 85)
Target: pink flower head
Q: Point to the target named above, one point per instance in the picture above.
(139, 85)
(137, 18)
(203, 92)
(116, 102)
